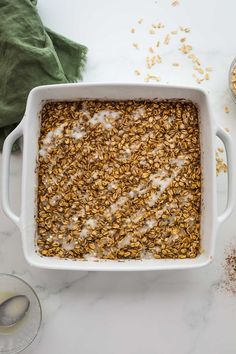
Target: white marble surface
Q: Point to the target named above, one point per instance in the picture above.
(180, 312)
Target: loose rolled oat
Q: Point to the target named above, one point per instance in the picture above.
(174, 2)
(119, 180)
(151, 77)
(233, 80)
(136, 45)
(137, 72)
(167, 39)
(226, 108)
(221, 166)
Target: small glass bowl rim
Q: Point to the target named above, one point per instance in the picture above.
(18, 350)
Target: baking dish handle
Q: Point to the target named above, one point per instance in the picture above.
(227, 140)
(6, 155)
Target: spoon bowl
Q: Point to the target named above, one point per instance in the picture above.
(13, 310)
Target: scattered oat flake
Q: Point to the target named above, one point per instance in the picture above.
(151, 50)
(151, 31)
(183, 39)
(140, 21)
(174, 2)
(158, 59)
(221, 166)
(159, 25)
(226, 109)
(208, 68)
(184, 29)
(137, 72)
(167, 39)
(174, 32)
(220, 149)
(186, 48)
(132, 30)
(227, 130)
(151, 77)
(207, 77)
(148, 63)
(201, 71)
(135, 45)
(153, 61)
(194, 58)
(198, 69)
(198, 80)
(175, 64)
(157, 44)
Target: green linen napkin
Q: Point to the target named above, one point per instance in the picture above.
(30, 55)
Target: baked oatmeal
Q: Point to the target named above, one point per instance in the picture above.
(119, 180)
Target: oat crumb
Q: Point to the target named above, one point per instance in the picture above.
(184, 29)
(198, 69)
(227, 130)
(186, 48)
(151, 31)
(194, 59)
(198, 80)
(221, 166)
(175, 64)
(135, 45)
(158, 25)
(158, 59)
(151, 77)
(137, 72)
(174, 32)
(148, 63)
(226, 109)
(140, 21)
(221, 150)
(174, 2)
(167, 39)
(132, 30)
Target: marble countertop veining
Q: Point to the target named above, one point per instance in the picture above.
(175, 312)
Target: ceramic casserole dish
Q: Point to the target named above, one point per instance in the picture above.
(29, 128)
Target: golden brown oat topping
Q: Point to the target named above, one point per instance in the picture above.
(119, 180)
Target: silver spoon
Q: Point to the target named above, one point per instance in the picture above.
(13, 310)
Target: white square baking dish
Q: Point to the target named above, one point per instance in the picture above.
(29, 128)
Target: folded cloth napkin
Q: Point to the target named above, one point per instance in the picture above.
(30, 55)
